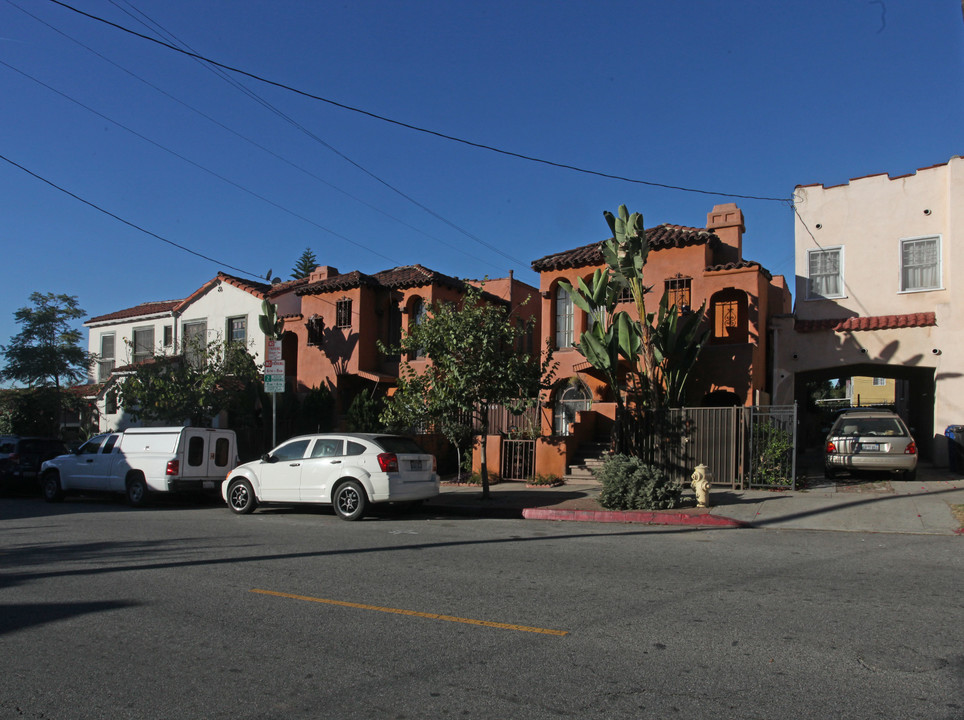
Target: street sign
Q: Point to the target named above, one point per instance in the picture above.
(274, 383)
(274, 350)
(274, 367)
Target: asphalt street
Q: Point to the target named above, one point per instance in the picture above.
(184, 610)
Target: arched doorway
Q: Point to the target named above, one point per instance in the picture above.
(570, 399)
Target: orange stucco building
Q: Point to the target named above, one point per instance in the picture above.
(694, 266)
(335, 321)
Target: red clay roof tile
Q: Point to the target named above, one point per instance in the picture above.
(876, 322)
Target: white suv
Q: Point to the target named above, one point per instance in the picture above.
(346, 470)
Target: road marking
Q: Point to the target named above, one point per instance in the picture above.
(414, 613)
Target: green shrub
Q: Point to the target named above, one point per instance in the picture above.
(547, 480)
(629, 484)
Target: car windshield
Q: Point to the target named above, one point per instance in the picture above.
(885, 427)
(399, 444)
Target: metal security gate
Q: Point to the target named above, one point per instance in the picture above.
(715, 440)
(772, 443)
(518, 459)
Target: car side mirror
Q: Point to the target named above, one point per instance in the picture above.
(268, 458)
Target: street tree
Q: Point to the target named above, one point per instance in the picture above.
(474, 363)
(305, 266)
(47, 352)
(194, 386)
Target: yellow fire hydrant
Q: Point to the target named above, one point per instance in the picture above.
(701, 480)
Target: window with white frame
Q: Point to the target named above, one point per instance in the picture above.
(195, 341)
(105, 364)
(563, 319)
(825, 273)
(920, 264)
(143, 344)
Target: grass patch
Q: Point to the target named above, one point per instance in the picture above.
(958, 511)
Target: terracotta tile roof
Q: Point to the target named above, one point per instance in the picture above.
(742, 265)
(149, 308)
(258, 289)
(409, 276)
(338, 283)
(877, 322)
(661, 237)
(398, 278)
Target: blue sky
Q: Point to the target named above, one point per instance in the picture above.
(749, 98)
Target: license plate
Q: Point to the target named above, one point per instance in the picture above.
(875, 447)
(415, 465)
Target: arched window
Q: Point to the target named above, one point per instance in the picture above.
(728, 310)
(416, 316)
(569, 400)
(563, 319)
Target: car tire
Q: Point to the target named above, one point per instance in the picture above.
(138, 494)
(241, 497)
(350, 500)
(50, 487)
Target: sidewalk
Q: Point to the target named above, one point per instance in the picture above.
(875, 504)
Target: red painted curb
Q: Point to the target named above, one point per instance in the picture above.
(632, 516)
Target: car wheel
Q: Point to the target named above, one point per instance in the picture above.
(50, 487)
(350, 500)
(241, 497)
(137, 492)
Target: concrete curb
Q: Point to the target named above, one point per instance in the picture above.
(634, 516)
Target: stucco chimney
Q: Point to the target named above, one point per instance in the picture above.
(323, 272)
(727, 222)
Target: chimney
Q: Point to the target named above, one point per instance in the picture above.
(727, 222)
(322, 272)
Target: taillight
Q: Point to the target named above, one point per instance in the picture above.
(388, 462)
(173, 467)
(14, 457)
(831, 448)
(911, 448)
(434, 464)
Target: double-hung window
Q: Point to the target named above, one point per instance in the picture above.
(920, 264)
(343, 313)
(825, 277)
(143, 344)
(105, 364)
(238, 329)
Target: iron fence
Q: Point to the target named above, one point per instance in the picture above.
(518, 459)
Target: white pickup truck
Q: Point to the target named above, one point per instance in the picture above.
(139, 461)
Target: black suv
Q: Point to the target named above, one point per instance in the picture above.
(21, 458)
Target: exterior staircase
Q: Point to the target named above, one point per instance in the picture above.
(589, 457)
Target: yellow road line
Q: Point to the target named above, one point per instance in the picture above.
(413, 613)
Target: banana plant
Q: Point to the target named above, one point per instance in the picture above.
(677, 342)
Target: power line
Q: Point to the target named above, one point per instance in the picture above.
(409, 126)
(98, 208)
(245, 138)
(199, 166)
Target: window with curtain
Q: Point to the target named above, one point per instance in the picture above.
(920, 264)
(143, 344)
(105, 365)
(825, 273)
(563, 319)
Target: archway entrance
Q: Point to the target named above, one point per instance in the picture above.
(913, 400)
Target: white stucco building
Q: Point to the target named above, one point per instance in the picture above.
(876, 262)
(224, 308)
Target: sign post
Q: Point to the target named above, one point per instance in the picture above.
(274, 382)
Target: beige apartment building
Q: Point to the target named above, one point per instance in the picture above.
(876, 262)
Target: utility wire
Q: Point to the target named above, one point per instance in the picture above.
(199, 166)
(249, 140)
(416, 128)
(127, 222)
(264, 103)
